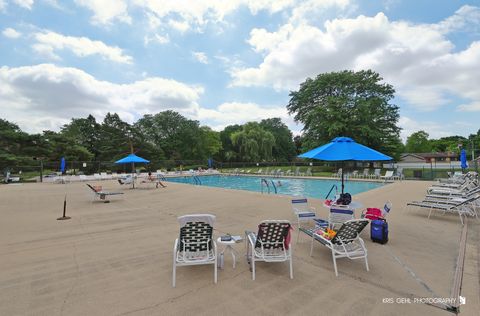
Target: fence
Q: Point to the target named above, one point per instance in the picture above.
(38, 168)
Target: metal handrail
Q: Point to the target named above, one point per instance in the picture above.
(262, 181)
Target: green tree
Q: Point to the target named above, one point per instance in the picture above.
(284, 148)
(229, 150)
(85, 132)
(210, 142)
(418, 142)
(254, 142)
(347, 103)
(177, 136)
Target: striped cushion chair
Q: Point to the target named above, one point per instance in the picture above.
(346, 243)
(195, 245)
(270, 244)
(339, 214)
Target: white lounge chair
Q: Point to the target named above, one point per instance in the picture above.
(303, 212)
(102, 195)
(339, 214)
(196, 245)
(388, 175)
(271, 244)
(346, 243)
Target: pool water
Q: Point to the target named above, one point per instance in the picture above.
(312, 188)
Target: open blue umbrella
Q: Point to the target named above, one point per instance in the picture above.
(345, 149)
(62, 165)
(463, 159)
(133, 159)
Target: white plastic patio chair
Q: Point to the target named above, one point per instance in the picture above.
(196, 245)
(271, 244)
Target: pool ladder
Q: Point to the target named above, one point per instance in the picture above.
(336, 191)
(196, 180)
(264, 183)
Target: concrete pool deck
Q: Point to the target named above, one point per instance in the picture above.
(116, 258)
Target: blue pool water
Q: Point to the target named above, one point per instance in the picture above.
(313, 188)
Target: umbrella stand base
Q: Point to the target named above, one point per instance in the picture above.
(63, 218)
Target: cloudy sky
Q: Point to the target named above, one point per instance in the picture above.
(224, 62)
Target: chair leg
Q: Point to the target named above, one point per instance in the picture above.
(334, 263)
(215, 270)
(253, 267)
(366, 263)
(174, 271)
(311, 247)
(291, 267)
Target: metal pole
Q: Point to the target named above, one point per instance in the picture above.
(41, 170)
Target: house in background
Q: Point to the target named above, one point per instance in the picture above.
(429, 157)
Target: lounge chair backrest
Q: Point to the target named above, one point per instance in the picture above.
(349, 231)
(389, 173)
(366, 172)
(91, 187)
(377, 172)
(196, 236)
(272, 234)
(300, 205)
(340, 214)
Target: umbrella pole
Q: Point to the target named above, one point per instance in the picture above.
(133, 173)
(343, 185)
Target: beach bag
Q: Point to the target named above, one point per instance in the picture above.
(344, 199)
(373, 213)
(379, 231)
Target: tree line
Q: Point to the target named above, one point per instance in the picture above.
(347, 103)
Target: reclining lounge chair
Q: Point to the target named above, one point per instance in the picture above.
(346, 243)
(100, 194)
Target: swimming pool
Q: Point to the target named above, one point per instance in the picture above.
(313, 188)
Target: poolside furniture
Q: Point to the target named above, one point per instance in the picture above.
(376, 174)
(196, 245)
(303, 212)
(288, 172)
(271, 244)
(366, 173)
(309, 172)
(354, 174)
(460, 206)
(398, 174)
(100, 194)
(297, 172)
(388, 175)
(346, 243)
(259, 171)
(337, 174)
(340, 214)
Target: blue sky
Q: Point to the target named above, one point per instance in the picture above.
(228, 62)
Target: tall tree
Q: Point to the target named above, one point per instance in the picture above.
(284, 148)
(418, 143)
(347, 103)
(229, 151)
(176, 135)
(254, 142)
(85, 132)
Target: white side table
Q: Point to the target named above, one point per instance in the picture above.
(228, 246)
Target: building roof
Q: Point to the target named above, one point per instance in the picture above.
(431, 155)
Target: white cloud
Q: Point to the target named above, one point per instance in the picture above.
(46, 96)
(107, 11)
(435, 130)
(418, 59)
(469, 107)
(156, 38)
(465, 18)
(201, 57)
(26, 4)
(184, 15)
(11, 33)
(239, 113)
(48, 42)
(3, 5)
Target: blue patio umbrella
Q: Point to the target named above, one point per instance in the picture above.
(133, 159)
(345, 149)
(62, 165)
(463, 159)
